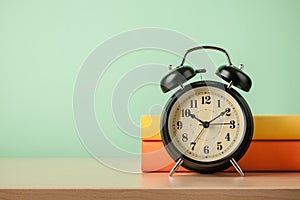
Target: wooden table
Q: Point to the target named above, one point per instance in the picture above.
(86, 178)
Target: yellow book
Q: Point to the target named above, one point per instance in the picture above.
(266, 127)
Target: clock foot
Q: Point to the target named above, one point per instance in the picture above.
(236, 167)
(175, 167)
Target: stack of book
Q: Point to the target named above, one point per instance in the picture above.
(275, 145)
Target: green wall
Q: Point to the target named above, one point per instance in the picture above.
(44, 43)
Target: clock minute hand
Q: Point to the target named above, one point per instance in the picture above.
(220, 115)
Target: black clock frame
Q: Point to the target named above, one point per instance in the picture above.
(214, 166)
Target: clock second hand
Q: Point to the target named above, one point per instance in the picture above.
(197, 138)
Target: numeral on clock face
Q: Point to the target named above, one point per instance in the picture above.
(185, 137)
(206, 99)
(227, 137)
(179, 125)
(185, 112)
(219, 146)
(206, 149)
(194, 103)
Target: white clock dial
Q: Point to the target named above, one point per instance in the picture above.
(206, 124)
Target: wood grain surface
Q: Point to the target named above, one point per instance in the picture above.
(148, 194)
(85, 178)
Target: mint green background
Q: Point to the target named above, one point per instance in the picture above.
(44, 43)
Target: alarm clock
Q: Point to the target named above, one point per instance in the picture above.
(206, 126)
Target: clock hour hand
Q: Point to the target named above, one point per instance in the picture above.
(196, 118)
(220, 115)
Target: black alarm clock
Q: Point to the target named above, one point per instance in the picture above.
(206, 126)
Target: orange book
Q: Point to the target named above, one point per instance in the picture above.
(261, 156)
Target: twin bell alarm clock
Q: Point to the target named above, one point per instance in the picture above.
(206, 126)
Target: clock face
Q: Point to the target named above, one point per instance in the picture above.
(206, 124)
